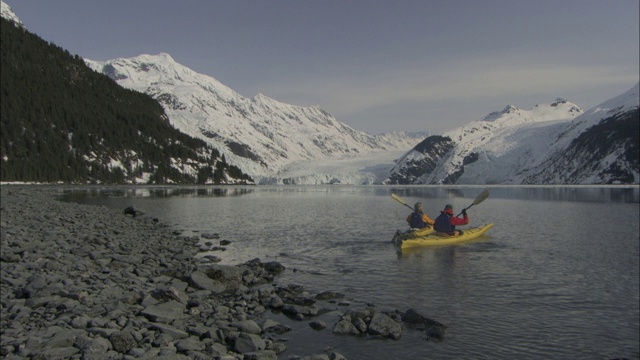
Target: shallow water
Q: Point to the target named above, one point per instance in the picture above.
(556, 277)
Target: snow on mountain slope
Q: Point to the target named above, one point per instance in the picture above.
(260, 135)
(602, 146)
(491, 150)
(549, 144)
(8, 14)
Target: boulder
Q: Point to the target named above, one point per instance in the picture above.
(165, 312)
(345, 327)
(170, 331)
(384, 326)
(416, 320)
(247, 326)
(246, 343)
(201, 281)
(122, 341)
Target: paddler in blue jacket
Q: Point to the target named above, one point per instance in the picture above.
(445, 223)
(418, 219)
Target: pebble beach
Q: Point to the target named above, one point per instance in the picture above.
(90, 282)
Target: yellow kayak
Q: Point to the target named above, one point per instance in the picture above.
(413, 239)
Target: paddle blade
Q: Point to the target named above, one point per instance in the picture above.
(398, 199)
(483, 195)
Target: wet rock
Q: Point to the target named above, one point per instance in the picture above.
(130, 210)
(210, 236)
(416, 320)
(318, 325)
(274, 267)
(295, 310)
(384, 326)
(345, 327)
(329, 295)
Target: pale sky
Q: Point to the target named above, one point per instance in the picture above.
(413, 65)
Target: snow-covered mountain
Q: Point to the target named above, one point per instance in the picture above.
(260, 135)
(556, 143)
(600, 147)
(7, 13)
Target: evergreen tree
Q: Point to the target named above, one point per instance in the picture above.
(61, 121)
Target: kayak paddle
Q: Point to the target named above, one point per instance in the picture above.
(399, 199)
(483, 195)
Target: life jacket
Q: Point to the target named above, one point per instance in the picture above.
(416, 221)
(443, 224)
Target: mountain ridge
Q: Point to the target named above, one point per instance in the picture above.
(261, 135)
(518, 146)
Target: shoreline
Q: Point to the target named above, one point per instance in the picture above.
(89, 282)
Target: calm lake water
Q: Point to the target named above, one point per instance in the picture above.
(555, 278)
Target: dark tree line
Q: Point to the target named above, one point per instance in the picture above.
(62, 122)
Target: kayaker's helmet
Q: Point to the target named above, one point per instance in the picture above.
(449, 209)
(418, 207)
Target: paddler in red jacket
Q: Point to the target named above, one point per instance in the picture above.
(445, 223)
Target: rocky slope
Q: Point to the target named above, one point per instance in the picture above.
(555, 143)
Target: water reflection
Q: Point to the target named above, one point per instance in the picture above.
(76, 193)
(622, 194)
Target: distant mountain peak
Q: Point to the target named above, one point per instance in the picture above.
(510, 109)
(556, 143)
(8, 14)
(262, 136)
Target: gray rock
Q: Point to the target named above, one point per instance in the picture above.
(210, 236)
(300, 310)
(329, 295)
(344, 327)
(189, 344)
(274, 267)
(168, 293)
(336, 356)
(201, 281)
(246, 343)
(261, 355)
(216, 350)
(359, 324)
(275, 302)
(96, 345)
(277, 347)
(436, 332)
(169, 330)
(318, 325)
(247, 326)
(384, 326)
(415, 319)
(166, 312)
(57, 353)
(122, 341)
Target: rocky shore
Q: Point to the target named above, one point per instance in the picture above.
(90, 282)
